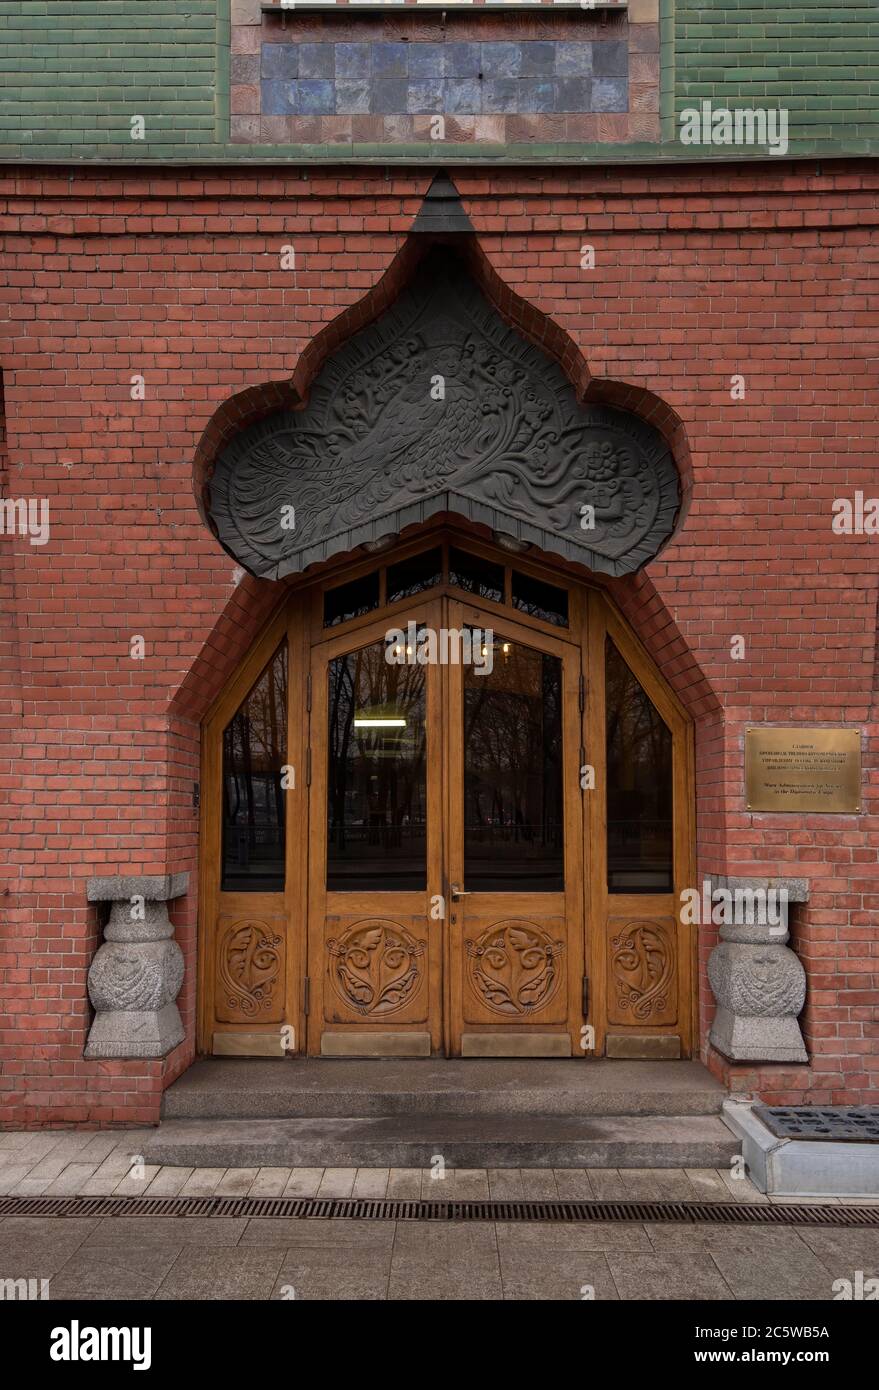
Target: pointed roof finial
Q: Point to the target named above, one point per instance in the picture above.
(441, 210)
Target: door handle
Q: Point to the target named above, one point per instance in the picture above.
(459, 892)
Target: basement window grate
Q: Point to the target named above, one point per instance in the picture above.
(731, 1213)
(848, 1124)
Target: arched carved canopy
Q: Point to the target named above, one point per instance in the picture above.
(438, 406)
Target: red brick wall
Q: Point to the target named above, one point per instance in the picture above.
(700, 273)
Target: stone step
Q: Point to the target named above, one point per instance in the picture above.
(251, 1088)
(464, 1141)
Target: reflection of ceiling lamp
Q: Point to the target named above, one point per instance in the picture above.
(378, 721)
(382, 542)
(511, 543)
(505, 647)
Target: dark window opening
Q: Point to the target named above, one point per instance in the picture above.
(541, 600)
(254, 756)
(413, 576)
(640, 856)
(351, 600)
(476, 576)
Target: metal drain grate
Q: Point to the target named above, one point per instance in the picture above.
(850, 1124)
(351, 1208)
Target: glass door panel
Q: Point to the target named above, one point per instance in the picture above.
(376, 774)
(513, 808)
(375, 947)
(514, 843)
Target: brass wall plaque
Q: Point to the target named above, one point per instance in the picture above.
(803, 770)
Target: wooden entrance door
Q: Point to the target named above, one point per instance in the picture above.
(375, 929)
(514, 844)
(400, 857)
(446, 883)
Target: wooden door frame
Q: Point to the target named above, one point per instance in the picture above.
(606, 621)
(286, 624)
(430, 613)
(560, 644)
(592, 616)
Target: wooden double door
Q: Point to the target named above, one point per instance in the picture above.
(445, 846)
(446, 808)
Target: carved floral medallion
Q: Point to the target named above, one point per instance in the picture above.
(249, 968)
(642, 968)
(376, 967)
(515, 967)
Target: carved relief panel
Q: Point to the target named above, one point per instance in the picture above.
(515, 970)
(376, 970)
(642, 971)
(250, 963)
(505, 443)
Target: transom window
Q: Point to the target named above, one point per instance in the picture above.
(460, 569)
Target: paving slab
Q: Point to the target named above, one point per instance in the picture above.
(693, 1277)
(337, 1182)
(404, 1184)
(107, 1177)
(38, 1246)
(136, 1182)
(283, 1232)
(470, 1242)
(68, 1150)
(471, 1185)
(557, 1275)
(706, 1235)
(236, 1182)
(843, 1250)
(371, 1182)
(202, 1182)
(270, 1182)
(774, 1274)
(11, 1175)
(574, 1185)
(210, 1274)
(109, 1272)
(330, 1273)
(542, 1236)
(416, 1282)
(168, 1182)
(301, 1182)
(168, 1230)
(72, 1180)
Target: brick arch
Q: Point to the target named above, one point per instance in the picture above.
(648, 616)
(246, 613)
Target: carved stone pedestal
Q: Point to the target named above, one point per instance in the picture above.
(137, 972)
(758, 981)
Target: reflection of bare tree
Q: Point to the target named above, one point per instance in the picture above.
(254, 752)
(513, 745)
(639, 774)
(376, 775)
(638, 741)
